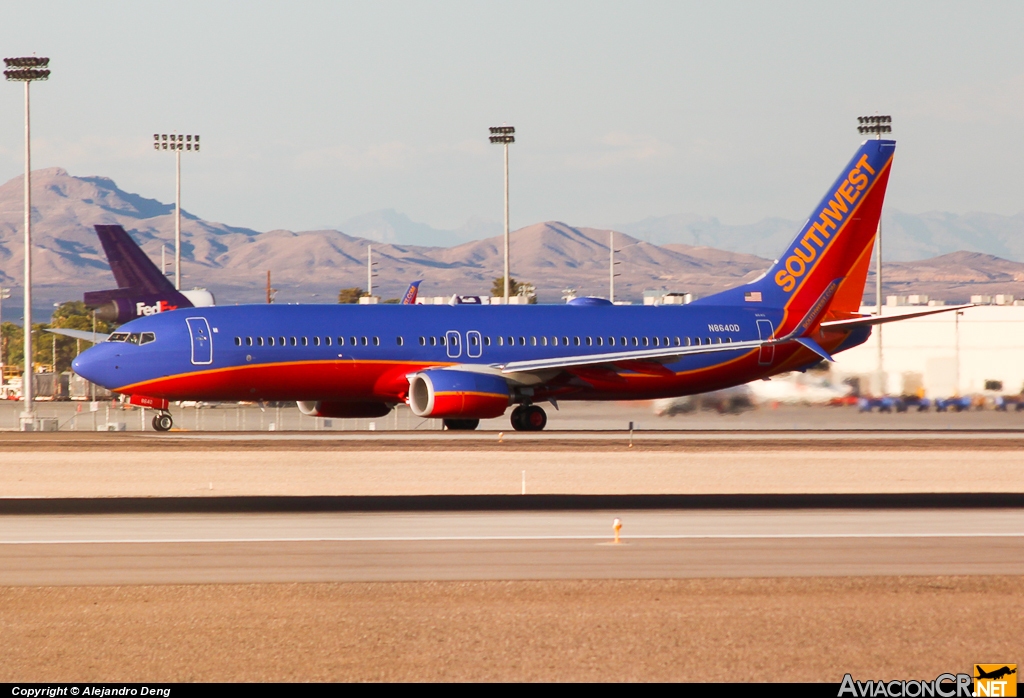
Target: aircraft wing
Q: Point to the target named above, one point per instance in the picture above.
(881, 320)
(95, 337)
(663, 355)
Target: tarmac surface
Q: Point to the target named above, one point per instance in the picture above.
(304, 581)
(428, 546)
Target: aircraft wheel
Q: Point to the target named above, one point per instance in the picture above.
(461, 424)
(517, 418)
(534, 418)
(163, 422)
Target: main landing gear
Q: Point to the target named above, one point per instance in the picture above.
(529, 418)
(163, 422)
(461, 424)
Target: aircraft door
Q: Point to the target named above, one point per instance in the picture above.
(764, 332)
(453, 343)
(202, 340)
(474, 344)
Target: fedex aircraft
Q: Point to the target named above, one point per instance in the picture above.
(142, 289)
(464, 363)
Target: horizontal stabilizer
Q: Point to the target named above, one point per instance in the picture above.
(815, 347)
(869, 320)
(85, 335)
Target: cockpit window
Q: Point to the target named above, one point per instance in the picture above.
(132, 337)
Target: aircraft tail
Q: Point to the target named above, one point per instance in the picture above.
(136, 275)
(833, 247)
(131, 267)
(410, 295)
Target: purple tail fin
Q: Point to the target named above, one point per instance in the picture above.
(131, 267)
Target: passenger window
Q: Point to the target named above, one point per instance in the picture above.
(522, 341)
(647, 342)
(533, 341)
(433, 341)
(294, 341)
(636, 342)
(248, 341)
(444, 340)
(729, 340)
(473, 340)
(678, 342)
(576, 341)
(565, 341)
(259, 341)
(238, 341)
(544, 341)
(487, 341)
(270, 340)
(697, 340)
(718, 340)
(376, 341)
(399, 341)
(423, 341)
(365, 341)
(554, 341)
(624, 341)
(501, 341)
(280, 340)
(305, 341)
(341, 341)
(611, 341)
(316, 341)
(326, 339)
(666, 341)
(511, 341)
(600, 341)
(352, 341)
(590, 341)
(707, 340)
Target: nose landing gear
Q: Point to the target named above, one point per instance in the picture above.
(163, 422)
(529, 418)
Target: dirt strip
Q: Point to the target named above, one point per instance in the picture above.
(281, 472)
(511, 442)
(809, 629)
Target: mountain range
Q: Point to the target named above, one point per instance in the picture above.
(973, 253)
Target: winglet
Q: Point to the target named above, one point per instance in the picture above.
(410, 295)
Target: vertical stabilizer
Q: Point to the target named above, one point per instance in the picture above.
(834, 245)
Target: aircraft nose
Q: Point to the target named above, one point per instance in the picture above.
(97, 365)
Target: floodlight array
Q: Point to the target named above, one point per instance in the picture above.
(874, 124)
(503, 134)
(26, 68)
(175, 141)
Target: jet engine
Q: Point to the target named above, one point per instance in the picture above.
(344, 410)
(456, 394)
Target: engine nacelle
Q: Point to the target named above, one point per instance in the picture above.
(344, 410)
(458, 394)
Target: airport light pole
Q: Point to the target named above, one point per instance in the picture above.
(877, 124)
(505, 135)
(5, 293)
(27, 69)
(176, 142)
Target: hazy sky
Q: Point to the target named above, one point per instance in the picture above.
(311, 113)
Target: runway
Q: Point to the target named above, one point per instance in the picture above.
(338, 547)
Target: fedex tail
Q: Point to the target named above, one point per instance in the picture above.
(142, 289)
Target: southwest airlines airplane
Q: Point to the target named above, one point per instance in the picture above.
(464, 363)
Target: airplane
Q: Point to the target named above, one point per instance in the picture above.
(996, 674)
(142, 289)
(463, 363)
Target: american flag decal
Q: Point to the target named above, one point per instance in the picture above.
(752, 296)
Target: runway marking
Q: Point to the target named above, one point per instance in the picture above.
(414, 539)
